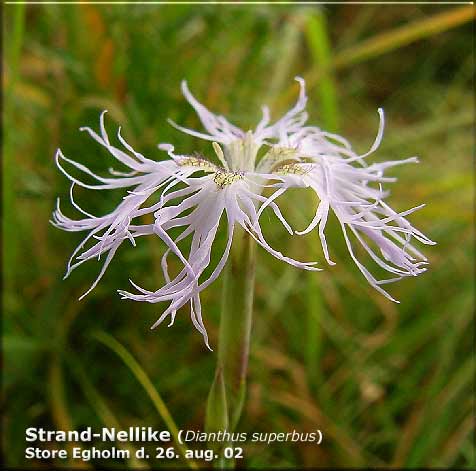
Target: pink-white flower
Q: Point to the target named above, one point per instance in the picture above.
(194, 194)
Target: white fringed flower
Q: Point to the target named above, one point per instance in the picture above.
(297, 156)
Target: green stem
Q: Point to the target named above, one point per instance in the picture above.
(227, 394)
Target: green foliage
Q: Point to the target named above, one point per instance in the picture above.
(387, 384)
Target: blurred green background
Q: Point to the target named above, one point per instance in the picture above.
(389, 385)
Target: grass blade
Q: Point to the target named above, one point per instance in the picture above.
(103, 411)
(146, 383)
(399, 37)
(318, 42)
(10, 241)
(391, 40)
(319, 45)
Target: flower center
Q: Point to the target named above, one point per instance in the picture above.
(203, 164)
(223, 179)
(293, 168)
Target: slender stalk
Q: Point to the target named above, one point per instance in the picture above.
(235, 324)
(227, 394)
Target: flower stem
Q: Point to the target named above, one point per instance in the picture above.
(227, 394)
